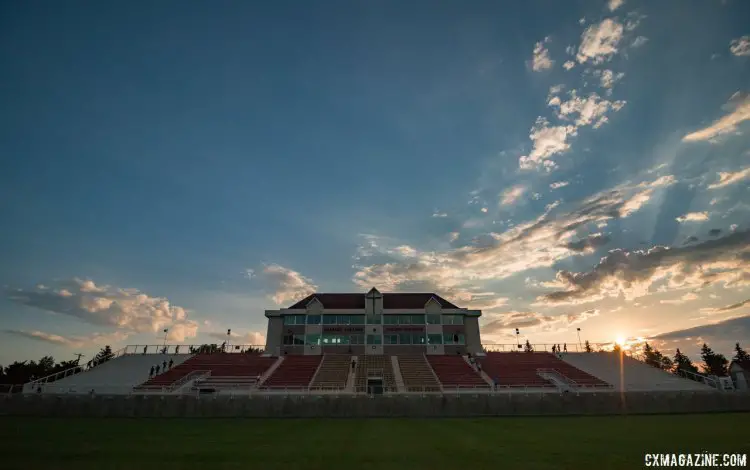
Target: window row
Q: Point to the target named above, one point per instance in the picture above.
(373, 319)
(401, 338)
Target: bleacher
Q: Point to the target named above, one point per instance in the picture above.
(519, 369)
(417, 374)
(453, 371)
(115, 376)
(293, 372)
(628, 374)
(334, 372)
(380, 366)
(235, 367)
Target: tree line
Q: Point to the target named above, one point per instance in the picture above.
(21, 372)
(713, 363)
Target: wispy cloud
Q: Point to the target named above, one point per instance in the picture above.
(740, 46)
(727, 308)
(693, 217)
(126, 309)
(615, 4)
(558, 185)
(96, 339)
(505, 322)
(727, 178)
(511, 195)
(740, 112)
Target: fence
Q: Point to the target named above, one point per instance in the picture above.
(358, 406)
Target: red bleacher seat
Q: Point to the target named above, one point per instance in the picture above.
(294, 371)
(453, 371)
(220, 365)
(520, 369)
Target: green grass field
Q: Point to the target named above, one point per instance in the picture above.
(459, 444)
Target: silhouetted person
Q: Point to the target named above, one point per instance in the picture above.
(176, 351)
(151, 372)
(565, 347)
(554, 349)
(164, 365)
(145, 349)
(354, 364)
(157, 369)
(223, 346)
(171, 363)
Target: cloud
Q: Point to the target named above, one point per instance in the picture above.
(501, 322)
(727, 308)
(599, 42)
(636, 273)
(609, 78)
(740, 46)
(639, 41)
(511, 195)
(251, 338)
(536, 243)
(439, 214)
(558, 185)
(127, 309)
(693, 217)
(569, 64)
(740, 112)
(95, 339)
(727, 178)
(541, 60)
(289, 286)
(685, 298)
(590, 243)
(720, 336)
(615, 4)
(549, 140)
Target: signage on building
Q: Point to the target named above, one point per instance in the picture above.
(396, 329)
(344, 329)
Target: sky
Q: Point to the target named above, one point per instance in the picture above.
(559, 165)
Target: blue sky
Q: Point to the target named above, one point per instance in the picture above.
(188, 165)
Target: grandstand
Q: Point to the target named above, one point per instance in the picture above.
(373, 343)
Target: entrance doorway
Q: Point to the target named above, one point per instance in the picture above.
(374, 386)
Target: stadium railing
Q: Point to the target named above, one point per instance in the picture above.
(190, 348)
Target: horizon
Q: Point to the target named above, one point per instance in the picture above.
(188, 166)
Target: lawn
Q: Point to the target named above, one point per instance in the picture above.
(458, 444)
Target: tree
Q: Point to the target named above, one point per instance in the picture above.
(104, 355)
(682, 363)
(527, 347)
(617, 349)
(713, 363)
(587, 347)
(740, 354)
(655, 358)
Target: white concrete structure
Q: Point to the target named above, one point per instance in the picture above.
(630, 375)
(116, 376)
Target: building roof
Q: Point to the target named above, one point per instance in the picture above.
(357, 301)
(744, 365)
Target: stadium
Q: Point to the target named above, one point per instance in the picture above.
(391, 356)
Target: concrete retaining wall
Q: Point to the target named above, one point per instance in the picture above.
(365, 407)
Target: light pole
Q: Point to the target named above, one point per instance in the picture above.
(579, 338)
(518, 338)
(229, 335)
(166, 330)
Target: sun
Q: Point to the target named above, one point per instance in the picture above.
(620, 340)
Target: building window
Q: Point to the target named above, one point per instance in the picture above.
(298, 340)
(433, 319)
(453, 338)
(404, 338)
(374, 339)
(373, 319)
(417, 319)
(294, 319)
(417, 339)
(390, 339)
(358, 319)
(453, 319)
(404, 319)
(357, 339)
(329, 319)
(390, 319)
(312, 340)
(313, 319)
(287, 340)
(435, 339)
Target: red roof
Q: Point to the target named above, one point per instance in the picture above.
(357, 301)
